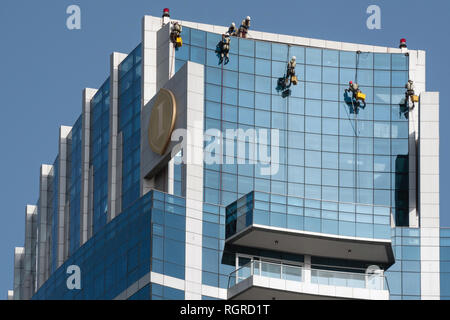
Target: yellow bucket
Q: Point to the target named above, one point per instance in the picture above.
(415, 98)
(179, 42)
(360, 96)
(294, 80)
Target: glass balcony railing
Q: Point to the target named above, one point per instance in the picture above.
(294, 273)
(349, 279)
(266, 269)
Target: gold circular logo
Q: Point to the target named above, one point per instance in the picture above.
(162, 121)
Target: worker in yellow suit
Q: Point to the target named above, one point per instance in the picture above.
(175, 34)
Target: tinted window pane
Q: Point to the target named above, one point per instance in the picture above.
(313, 56)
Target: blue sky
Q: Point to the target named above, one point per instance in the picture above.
(44, 67)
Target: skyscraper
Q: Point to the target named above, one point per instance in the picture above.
(192, 176)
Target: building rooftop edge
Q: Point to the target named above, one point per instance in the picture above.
(286, 39)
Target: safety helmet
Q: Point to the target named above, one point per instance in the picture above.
(248, 18)
(294, 58)
(233, 25)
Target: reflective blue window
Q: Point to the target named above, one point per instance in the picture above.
(246, 47)
(382, 95)
(313, 90)
(399, 62)
(313, 73)
(212, 39)
(347, 59)
(279, 52)
(330, 75)
(313, 124)
(330, 109)
(262, 67)
(365, 77)
(246, 64)
(330, 92)
(313, 56)
(346, 75)
(365, 60)
(198, 55)
(331, 58)
(382, 61)
(399, 78)
(198, 38)
(263, 50)
(246, 81)
(330, 143)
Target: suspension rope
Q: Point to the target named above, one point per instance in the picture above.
(221, 135)
(356, 132)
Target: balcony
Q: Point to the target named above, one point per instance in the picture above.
(259, 280)
(311, 227)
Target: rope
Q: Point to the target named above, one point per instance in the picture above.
(221, 129)
(348, 116)
(356, 133)
(172, 65)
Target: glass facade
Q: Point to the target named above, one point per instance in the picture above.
(99, 154)
(404, 276)
(130, 124)
(75, 186)
(326, 151)
(54, 215)
(142, 238)
(339, 170)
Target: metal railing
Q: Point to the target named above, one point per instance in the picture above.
(268, 270)
(374, 281)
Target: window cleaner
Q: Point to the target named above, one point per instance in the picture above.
(357, 95)
(291, 71)
(175, 35)
(223, 48)
(232, 30)
(410, 94)
(243, 29)
(288, 79)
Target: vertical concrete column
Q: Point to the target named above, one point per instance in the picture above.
(150, 26)
(63, 172)
(429, 195)
(19, 256)
(307, 269)
(114, 166)
(416, 74)
(165, 58)
(30, 251)
(194, 180)
(170, 176)
(85, 213)
(43, 225)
